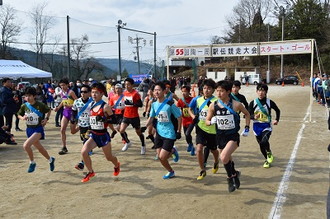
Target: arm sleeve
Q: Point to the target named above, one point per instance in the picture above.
(251, 110)
(277, 110)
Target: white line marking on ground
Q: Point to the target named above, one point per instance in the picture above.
(284, 185)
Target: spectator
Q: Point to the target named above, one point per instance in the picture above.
(7, 103)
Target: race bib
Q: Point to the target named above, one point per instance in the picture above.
(95, 125)
(130, 99)
(120, 105)
(163, 116)
(68, 102)
(260, 116)
(32, 119)
(226, 122)
(203, 114)
(185, 112)
(84, 117)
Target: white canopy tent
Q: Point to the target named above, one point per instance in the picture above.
(16, 69)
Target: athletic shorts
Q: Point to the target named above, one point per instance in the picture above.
(164, 143)
(39, 129)
(222, 140)
(67, 113)
(119, 118)
(84, 133)
(206, 139)
(101, 139)
(135, 122)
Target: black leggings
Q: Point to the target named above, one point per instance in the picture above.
(188, 135)
(263, 141)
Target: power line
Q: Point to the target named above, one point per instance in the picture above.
(52, 44)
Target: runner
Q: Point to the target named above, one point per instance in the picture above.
(148, 101)
(205, 135)
(33, 113)
(131, 116)
(68, 97)
(100, 113)
(260, 111)
(237, 96)
(223, 114)
(183, 103)
(166, 135)
(80, 117)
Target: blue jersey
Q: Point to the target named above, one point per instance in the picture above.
(165, 127)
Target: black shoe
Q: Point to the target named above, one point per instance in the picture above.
(57, 125)
(11, 142)
(64, 150)
(113, 134)
(236, 179)
(18, 129)
(231, 184)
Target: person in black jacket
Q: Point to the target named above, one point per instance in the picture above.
(7, 102)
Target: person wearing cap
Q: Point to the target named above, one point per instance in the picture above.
(117, 103)
(260, 112)
(131, 115)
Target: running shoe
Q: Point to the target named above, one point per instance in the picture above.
(192, 152)
(189, 148)
(88, 176)
(143, 150)
(175, 154)
(90, 153)
(32, 167)
(215, 168)
(113, 134)
(64, 150)
(266, 164)
(236, 179)
(231, 184)
(270, 157)
(80, 166)
(202, 174)
(126, 146)
(52, 164)
(169, 175)
(116, 170)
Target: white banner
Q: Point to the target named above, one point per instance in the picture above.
(189, 51)
(286, 48)
(234, 50)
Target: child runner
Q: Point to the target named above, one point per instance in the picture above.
(260, 111)
(68, 97)
(165, 132)
(131, 116)
(206, 135)
(100, 113)
(33, 113)
(80, 114)
(236, 95)
(183, 103)
(223, 114)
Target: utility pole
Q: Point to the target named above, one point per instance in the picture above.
(119, 26)
(68, 42)
(282, 12)
(137, 40)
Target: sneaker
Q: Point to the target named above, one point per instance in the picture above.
(57, 125)
(116, 170)
(80, 166)
(190, 146)
(126, 146)
(143, 150)
(169, 175)
(202, 174)
(90, 153)
(88, 176)
(11, 142)
(215, 168)
(32, 167)
(266, 164)
(52, 164)
(64, 150)
(270, 157)
(231, 184)
(113, 134)
(18, 130)
(236, 179)
(192, 152)
(175, 154)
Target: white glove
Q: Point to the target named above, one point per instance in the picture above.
(246, 131)
(213, 120)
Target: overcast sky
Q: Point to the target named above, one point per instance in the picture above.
(179, 22)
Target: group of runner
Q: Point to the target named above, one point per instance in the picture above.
(215, 118)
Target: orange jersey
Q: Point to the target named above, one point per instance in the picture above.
(130, 110)
(120, 106)
(184, 105)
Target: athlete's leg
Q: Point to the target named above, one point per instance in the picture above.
(88, 146)
(29, 142)
(108, 154)
(163, 158)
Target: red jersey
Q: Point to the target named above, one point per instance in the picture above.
(97, 125)
(120, 105)
(130, 110)
(184, 105)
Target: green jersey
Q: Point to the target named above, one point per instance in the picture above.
(33, 120)
(202, 115)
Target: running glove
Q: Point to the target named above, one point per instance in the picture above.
(213, 120)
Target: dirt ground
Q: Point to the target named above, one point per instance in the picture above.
(140, 192)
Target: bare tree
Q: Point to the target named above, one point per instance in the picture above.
(9, 28)
(42, 23)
